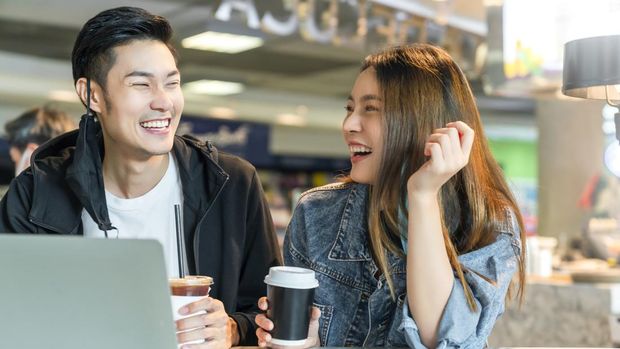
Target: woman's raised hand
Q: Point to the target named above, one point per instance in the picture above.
(448, 150)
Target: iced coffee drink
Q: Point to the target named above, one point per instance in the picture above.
(187, 290)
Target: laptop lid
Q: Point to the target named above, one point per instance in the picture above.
(73, 292)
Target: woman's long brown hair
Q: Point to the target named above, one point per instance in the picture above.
(423, 89)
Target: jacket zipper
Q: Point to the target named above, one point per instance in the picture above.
(197, 236)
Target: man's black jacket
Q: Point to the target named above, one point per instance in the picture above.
(228, 228)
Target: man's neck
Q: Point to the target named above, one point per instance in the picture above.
(129, 178)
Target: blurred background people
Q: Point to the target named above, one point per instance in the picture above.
(33, 128)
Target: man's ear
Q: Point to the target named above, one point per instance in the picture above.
(96, 94)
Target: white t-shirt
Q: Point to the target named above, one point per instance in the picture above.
(150, 216)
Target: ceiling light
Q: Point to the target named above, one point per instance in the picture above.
(291, 119)
(222, 113)
(213, 87)
(222, 42)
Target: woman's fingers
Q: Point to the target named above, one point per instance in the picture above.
(449, 139)
(444, 142)
(263, 322)
(316, 313)
(455, 142)
(263, 336)
(263, 303)
(436, 155)
(466, 134)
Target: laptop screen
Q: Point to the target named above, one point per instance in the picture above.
(73, 292)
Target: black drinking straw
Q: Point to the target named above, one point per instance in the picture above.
(180, 240)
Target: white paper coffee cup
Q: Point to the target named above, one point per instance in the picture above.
(290, 291)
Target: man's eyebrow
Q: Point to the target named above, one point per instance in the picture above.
(149, 75)
(139, 73)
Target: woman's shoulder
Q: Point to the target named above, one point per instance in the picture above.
(331, 195)
(332, 191)
(329, 189)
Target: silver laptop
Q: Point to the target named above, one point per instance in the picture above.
(72, 292)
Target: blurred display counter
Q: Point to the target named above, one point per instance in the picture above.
(559, 313)
(407, 348)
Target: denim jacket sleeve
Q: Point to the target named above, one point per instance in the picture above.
(460, 327)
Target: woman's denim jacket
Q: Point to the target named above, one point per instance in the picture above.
(328, 233)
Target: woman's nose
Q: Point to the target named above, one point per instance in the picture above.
(352, 123)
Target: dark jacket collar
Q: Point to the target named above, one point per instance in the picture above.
(198, 161)
(85, 176)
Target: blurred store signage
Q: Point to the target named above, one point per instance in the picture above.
(355, 22)
(251, 141)
(245, 139)
(325, 20)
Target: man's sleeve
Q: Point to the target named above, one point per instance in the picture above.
(15, 207)
(261, 252)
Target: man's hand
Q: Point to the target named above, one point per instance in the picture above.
(215, 327)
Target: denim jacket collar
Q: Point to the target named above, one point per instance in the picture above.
(351, 242)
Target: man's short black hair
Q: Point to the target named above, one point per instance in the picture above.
(93, 56)
(37, 126)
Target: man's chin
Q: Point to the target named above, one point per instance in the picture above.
(160, 148)
(157, 151)
(160, 151)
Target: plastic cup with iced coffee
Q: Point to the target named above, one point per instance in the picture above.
(188, 290)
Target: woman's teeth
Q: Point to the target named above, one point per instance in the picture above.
(360, 150)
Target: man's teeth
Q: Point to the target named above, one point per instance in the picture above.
(359, 149)
(156, 124)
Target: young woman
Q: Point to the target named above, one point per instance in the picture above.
(419, 246)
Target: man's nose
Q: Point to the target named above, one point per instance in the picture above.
(162, 100)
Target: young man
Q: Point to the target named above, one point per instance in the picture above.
(121, 174)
